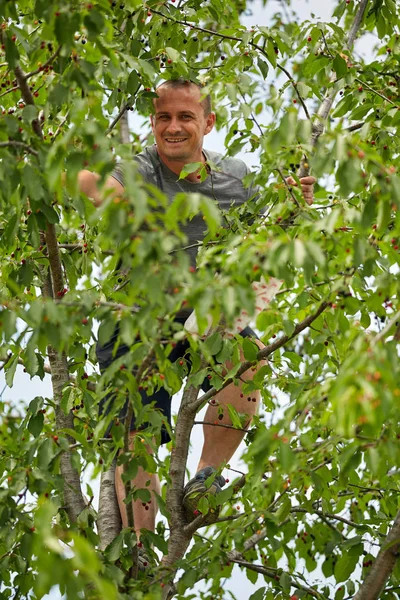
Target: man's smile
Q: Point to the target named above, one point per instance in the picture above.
(175, 140)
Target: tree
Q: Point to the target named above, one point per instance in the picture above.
(322, 485)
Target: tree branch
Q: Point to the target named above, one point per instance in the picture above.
(326, 105)
(17, 144)
(73, 496)
(264, 353)
(383, 565)
(46, 64)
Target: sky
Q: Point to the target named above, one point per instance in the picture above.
(27, 389)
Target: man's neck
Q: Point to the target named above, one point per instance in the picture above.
(176, 166)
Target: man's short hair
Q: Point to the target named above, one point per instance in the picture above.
(181, 83)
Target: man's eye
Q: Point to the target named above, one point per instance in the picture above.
(187, 117)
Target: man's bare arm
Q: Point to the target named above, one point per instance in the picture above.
(88, 185)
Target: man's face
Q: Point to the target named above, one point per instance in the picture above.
(179, 123)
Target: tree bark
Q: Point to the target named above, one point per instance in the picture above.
(73, 497)
(383, 565)
(109, 518)
(179, 539)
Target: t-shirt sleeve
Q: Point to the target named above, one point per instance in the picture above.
(142, 166)
(118, 175)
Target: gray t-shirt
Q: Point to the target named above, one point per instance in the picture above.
(224, 185)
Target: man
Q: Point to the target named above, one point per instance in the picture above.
(181, 119)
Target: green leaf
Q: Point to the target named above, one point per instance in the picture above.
(214, 343)
(10, 368)
(250, 350)
(345, 566)
(258, 595)
(173, 54)
(113, 550)
(66, 24)
(263, 66)
(252, 575)
(190, 168)
(285, 581)
(35, 424)
(339, 66)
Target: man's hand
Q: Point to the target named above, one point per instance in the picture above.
(307, 187)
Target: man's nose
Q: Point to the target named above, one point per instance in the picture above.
(173, 125)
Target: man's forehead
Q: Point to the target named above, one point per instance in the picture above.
(190, 93)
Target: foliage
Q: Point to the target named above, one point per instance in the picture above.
(322, 487)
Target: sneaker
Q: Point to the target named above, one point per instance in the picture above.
(196, 489)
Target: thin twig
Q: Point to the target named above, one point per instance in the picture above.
(117, 118)
(288, 187)
(19, 145)
(46, 64)
(387, 328)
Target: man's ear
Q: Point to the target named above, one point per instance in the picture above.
(210, 122)
(152, 121)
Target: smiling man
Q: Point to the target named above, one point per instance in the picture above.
(182, 117)
(179, 123)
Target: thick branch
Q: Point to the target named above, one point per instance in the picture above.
(179, 539)
(73, 496)
(383, 565)
(109, 517)
(54, 259)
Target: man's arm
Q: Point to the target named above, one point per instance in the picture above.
(88, 184)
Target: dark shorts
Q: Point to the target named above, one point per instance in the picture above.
(161, 398)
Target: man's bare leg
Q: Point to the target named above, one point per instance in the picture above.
(144, 519)
(220, 443)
